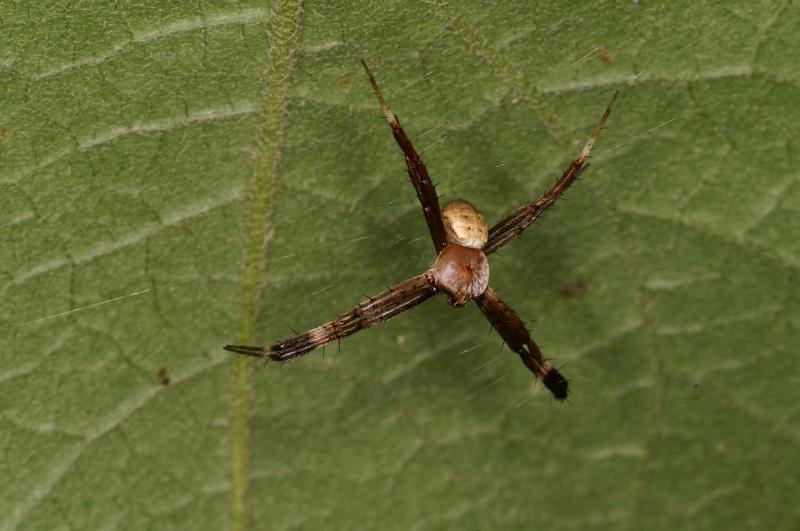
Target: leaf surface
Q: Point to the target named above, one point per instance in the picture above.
(665, 283)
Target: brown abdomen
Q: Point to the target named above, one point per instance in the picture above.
(461, 272)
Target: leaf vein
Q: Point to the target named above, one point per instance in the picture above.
(156, 126)
(177, 27)
(282, 51)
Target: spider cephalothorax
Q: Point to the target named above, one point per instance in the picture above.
(462, 241)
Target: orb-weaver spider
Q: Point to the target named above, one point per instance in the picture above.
(462, 241)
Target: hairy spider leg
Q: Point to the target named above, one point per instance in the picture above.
(426, 190)
(374, 310)
(522, 218)
(511, 328)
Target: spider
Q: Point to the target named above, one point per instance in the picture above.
(462, 241)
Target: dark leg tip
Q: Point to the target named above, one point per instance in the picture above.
(257, 352)
(556, 383)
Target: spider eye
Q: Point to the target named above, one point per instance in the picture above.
(464, 224)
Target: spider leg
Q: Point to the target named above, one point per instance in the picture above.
(513, 331)
(372, 311)
(522, 218)
(426, 191)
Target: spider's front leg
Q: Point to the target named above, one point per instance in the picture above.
(379, 308)
(522, 218)
(513, 331)
(426, 191)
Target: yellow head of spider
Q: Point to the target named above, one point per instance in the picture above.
(464, 224)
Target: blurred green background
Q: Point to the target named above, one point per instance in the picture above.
(665, 283)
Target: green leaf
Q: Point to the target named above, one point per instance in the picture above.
(177, 176)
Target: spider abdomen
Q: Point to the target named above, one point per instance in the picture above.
(461, 272)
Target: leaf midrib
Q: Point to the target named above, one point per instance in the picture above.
(276, 87)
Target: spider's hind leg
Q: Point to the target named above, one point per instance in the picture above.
(511, 328)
